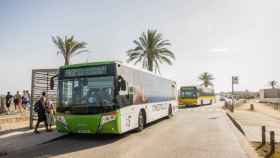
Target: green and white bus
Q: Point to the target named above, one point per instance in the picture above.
(111, 97)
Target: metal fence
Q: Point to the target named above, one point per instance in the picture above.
(41, 79)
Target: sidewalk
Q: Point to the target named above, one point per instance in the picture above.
(251, 121)
(24, 139)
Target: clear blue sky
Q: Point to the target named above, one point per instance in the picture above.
(223, 37)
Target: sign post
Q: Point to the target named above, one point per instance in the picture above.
(234, 80)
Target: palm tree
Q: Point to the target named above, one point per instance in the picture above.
(273, 83)
(69, 47)
(206, 79)
(151, 51)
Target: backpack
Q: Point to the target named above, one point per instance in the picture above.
(36, 106)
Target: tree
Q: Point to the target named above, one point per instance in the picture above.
(206, 79)
(151, 51)
(273, 83)
(69, 47)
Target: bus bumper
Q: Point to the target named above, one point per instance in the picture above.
(89, 124)
(187, 102)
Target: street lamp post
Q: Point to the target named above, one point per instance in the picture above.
(234, 80)
(232, 94)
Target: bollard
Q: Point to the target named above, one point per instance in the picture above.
(252, 108)
(272, 142)
(231, 108)
(263, 135)
(272, 145)
(226, 105)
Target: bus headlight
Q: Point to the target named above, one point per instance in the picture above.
(61, 119)
(108, 117)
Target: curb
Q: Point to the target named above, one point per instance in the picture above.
(241, 137)
(236, 124)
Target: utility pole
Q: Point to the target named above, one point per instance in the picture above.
(234, 80)
(232, 94)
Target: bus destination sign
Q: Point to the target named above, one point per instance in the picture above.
(86, 71)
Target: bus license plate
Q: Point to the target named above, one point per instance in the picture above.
(84, 131)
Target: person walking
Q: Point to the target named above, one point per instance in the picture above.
(28, 97)
(40, 108)
(9, 98)
(50, 112)
(24, 100)
(17, 102)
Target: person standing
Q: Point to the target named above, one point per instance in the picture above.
(50, 112)
(8, 101)
(28, 98)
(17, 102)
(40, 108)
(24, 100)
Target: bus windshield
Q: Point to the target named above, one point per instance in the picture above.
(188, 92)
(86, 92)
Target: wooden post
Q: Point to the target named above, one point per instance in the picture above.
(272, 142)
(31, 101)
(263, 135)
(252, 108)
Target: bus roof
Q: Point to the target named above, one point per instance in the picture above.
(86, 64)
(188, 87)
(198, 87)
(109, 62)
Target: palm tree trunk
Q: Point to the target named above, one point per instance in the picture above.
(67, 60)
(150, 65)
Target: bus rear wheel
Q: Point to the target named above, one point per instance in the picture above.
(141, 121)
(201, 102)
(170, 114)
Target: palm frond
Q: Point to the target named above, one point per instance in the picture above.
(206, 79)
(68, 47)
(151, 51)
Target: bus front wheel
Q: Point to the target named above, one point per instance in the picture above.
(141, 121)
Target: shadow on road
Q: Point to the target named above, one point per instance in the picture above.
(195, 106)
(66, 144)
(72, 143)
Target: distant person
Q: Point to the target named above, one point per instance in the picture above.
(9, 98)
(17, 101)
(40, 108)
(28, 96)
(24, 99)
(50, 112)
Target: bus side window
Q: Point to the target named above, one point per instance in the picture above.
(131, 90)
(122, 94)
(131, 93)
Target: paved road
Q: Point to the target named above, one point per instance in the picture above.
(202, 132)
